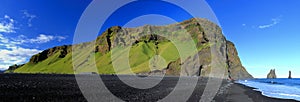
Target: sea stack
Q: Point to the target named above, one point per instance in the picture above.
(290, 75)
(271, 74)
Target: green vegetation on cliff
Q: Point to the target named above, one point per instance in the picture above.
(204, 34)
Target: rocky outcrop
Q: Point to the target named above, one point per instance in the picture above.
(104, 42)
(62, 50)
(290, 75)
(272, 74)
(154, 73)
(13, 67)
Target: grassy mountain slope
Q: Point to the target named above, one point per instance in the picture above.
(141, 55)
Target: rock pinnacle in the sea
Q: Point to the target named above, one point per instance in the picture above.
(290, 75)
(271, 74)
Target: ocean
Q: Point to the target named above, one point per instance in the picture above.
(277, 88)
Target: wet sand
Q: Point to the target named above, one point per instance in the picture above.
(29, 87)
(242, 93)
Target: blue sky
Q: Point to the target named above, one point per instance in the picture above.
(265, 32)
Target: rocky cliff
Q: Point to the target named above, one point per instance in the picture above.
(271, 74)
(235, 68)
(212, 49)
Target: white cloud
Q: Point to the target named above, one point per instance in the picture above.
(42, 38)
(16, 55)
(7, 25)
(243, 24)
(11, 53)
(4, 66)
(3, 39)
(274, 22)
(29, 16)
(60, 38)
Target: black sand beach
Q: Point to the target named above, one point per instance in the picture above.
(242, 93)
(27, 87)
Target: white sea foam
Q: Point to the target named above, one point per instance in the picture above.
(277, 88)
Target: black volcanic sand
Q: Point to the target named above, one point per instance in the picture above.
(28, 87)
(19, 87)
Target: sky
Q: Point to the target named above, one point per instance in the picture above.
(265, 32)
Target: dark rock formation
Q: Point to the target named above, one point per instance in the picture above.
(271, 74)
(13, 67)
(290, 75)
(62, 50)
(104, 42)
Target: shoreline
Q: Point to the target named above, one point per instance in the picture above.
(242, 93)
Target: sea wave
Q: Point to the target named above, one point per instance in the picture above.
(276, 88)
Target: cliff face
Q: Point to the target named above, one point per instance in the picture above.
(206, 35)
(235, 68)
(271, 74)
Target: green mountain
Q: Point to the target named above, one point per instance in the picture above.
(149, 54)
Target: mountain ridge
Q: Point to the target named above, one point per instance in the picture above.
(203, 32)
